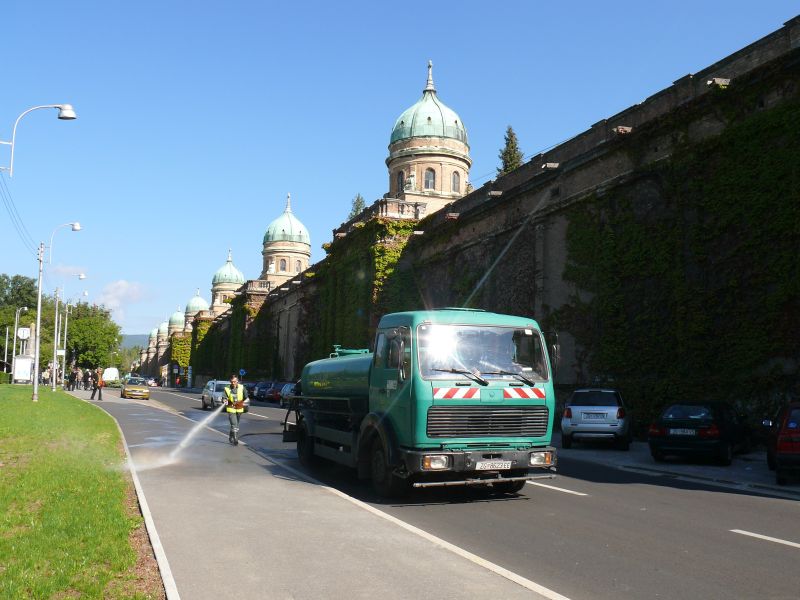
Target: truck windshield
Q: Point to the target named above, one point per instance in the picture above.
(488, 352)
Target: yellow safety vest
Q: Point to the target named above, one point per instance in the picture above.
(235, 405)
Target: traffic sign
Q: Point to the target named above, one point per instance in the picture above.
(242, 372)
(24, 333)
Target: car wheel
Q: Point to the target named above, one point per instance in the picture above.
(771, 465)
(566, 441)
(384, 481)
(657, 455)
(780, 478)
(203, 402)
(726, 455)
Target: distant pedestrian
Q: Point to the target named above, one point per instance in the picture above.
(71, 380)
(87, 376)
(97, 384)
(235, 395)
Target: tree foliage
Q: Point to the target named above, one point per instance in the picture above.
(93, 337)
(357, 206)
(510, 156)
(17, 290)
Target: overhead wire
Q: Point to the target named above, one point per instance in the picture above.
(15, 218)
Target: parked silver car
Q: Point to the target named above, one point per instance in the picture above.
(596, 414)
(214, 394)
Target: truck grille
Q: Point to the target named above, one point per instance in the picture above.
(487, 421)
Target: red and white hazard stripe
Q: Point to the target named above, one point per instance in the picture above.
(523, 393)
(461, 392)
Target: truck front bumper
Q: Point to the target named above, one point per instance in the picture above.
(477, 467)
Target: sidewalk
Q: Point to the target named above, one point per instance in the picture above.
(748, 471)
(234, 523)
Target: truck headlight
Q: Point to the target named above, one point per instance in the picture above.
(435, 462)
(541, 459)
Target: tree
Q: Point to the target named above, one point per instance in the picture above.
(93, 337)
(511, 156)
(17, 290)
(357, 207)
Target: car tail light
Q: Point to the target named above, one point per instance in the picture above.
(656, 431)
(709, 432)
(568, 413)
(785, 444)
(620, 413)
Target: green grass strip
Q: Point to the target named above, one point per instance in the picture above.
(64, 528)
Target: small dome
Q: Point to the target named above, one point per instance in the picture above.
(228, 273)
(177, 319)
(163, 328)
(429, 117)
(154, 333)
(287, 227)
(196, 304)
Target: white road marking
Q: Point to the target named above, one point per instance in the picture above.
(766, 537)
(558, 489)
(195, 398)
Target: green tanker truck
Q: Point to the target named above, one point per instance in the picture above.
(448, 397)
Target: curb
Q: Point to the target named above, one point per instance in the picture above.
(170, 587)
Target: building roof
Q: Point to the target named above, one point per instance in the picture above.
(154, 333)
(196, 304)
(429, 117)
(228, 273)
(178, 319)
(287, 227)
(163, 328)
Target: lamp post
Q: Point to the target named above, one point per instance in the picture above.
(75, 227)
(65, 113)
(16, 328)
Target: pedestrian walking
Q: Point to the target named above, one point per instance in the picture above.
(71, 380)
(235, 395)
(87, 376)
(97, 384)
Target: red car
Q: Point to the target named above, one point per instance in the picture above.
(783, 443)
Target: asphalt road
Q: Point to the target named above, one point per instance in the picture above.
(593, 532)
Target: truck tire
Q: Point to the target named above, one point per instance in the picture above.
(508, 487)
(384, 481)
(305, 446)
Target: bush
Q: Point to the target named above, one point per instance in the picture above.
(5, 378)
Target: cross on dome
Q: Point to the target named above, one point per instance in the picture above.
(429, 87)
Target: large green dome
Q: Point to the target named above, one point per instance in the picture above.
(287, 227)
(196, 304)
(163, 328)
(228, 273)
(429, 117)
(154, 333)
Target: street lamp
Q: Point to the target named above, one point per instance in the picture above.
(40, 256)
(16, 328)
(67, 306)
(65, 113)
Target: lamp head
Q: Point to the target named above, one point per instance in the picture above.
(82, 276)
(66, 112)
(24, 309)
(76, 226)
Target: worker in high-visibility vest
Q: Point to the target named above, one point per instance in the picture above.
(235, 395)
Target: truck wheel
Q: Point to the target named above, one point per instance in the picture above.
(384, 481)
(508, 487)
(305, 446)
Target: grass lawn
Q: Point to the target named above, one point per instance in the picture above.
(70, 525)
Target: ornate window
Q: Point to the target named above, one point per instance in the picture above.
(430, 179)
(282, 267)
(401, 180)
(456, 182)
(297, 266)
(271, 266)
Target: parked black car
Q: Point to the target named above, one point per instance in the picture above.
(783, 443)
(693, 429)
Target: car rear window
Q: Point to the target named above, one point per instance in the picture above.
(594, 398)
(697, 412)
(220, 387)
(135, 381)
(793, 419)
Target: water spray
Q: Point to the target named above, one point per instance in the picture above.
(187, 440)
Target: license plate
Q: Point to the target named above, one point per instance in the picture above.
(594, 415)
(492, 465)
(683, 432)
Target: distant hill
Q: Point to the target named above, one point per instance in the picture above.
(129, 341)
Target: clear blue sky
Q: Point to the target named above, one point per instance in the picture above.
(196, 118)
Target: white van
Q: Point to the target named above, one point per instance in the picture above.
(111, 374)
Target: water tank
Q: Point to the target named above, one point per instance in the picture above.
(345, 376)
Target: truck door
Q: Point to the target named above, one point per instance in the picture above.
(390, 382)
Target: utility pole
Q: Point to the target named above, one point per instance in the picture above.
(35, 397)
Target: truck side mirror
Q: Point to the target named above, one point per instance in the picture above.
(555, 357)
